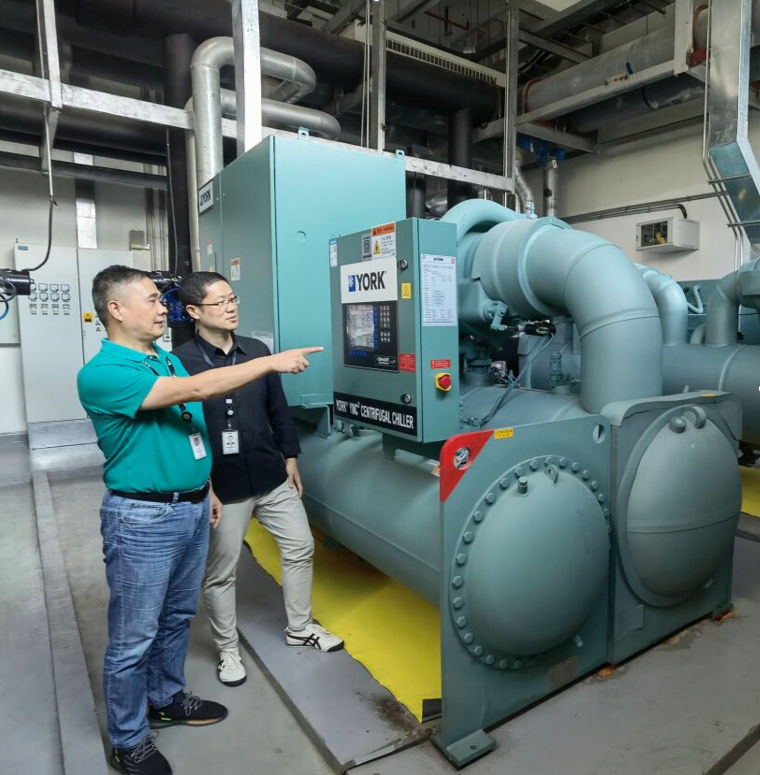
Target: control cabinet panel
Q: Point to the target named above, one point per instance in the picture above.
(395, 329)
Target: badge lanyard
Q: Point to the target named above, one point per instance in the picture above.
(230, 435)
(196, 440)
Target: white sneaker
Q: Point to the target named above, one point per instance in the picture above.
(230, 670)
(314, 635)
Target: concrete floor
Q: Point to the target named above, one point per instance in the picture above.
(260, 735)
(29, 740)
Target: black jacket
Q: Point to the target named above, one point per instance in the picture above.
(266, 429)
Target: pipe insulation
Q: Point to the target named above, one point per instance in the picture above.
(738, 288)
(209, 101)
(544, 268)
(335, 60)
(523, 189)
(671, 305)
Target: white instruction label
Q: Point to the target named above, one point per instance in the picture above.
(439, 290)
(235, 269)
(333, 252)
(383, 240)
(369, 281)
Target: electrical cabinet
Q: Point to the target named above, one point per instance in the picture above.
(269, 222)
(59, 333)
(667, 235)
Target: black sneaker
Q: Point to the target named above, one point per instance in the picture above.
(189, 710)
(142, 759)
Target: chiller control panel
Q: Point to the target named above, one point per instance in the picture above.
(395, 329)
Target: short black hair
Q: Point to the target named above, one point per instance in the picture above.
(192, 289)
(106, 281)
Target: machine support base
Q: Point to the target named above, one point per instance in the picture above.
(466, 750)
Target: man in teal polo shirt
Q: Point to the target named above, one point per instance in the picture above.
(156, 512)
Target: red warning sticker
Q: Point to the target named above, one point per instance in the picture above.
(443, 363)
(407, 362)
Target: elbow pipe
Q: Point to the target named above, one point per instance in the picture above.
(473, 218)
(207, 62)
(733, 290)
(280, 114)
(544, 268)
(671, 305)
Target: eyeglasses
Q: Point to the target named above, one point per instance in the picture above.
(220, 305)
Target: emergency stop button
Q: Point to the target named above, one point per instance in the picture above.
(443, 382)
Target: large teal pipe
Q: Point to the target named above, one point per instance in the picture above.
(387, 510)
(730, 293)
(543, 268)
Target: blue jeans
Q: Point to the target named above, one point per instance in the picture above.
(155, 555)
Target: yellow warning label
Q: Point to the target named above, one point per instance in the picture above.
(708, 395)
(88, 317)
(376, 251)
(504, 433)
(406, 290)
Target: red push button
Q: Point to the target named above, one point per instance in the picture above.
(443, 382)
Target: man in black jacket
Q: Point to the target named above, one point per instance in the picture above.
(254, 447)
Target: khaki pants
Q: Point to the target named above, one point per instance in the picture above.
(283, 515)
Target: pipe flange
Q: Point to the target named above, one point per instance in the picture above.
(516, 478)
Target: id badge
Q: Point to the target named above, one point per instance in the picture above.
(230, 443)
(198, 447)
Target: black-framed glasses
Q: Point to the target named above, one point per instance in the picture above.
(234, 300)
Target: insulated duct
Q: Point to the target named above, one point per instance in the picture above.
(335, 60)
(543, 268)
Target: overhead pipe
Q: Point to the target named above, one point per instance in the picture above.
(334, 59)
(460, 154)
(205, 69)
(111, 135)
(670, 91)
(178, 53)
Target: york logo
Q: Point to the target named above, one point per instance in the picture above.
(205, 197)
(367, 281)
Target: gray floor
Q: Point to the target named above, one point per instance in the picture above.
(260, 736)
(29, 741)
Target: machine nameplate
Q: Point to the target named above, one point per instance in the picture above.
(380, 414)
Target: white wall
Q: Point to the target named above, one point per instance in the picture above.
(668, 166)
(23, 217)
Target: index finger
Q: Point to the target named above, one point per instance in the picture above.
(309, 350)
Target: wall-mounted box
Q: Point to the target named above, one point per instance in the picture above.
(667, 235)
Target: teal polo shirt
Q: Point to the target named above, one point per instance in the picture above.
(146, 451)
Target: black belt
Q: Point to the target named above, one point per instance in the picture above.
(191, 496)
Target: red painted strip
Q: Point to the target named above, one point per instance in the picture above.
(450, 474)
